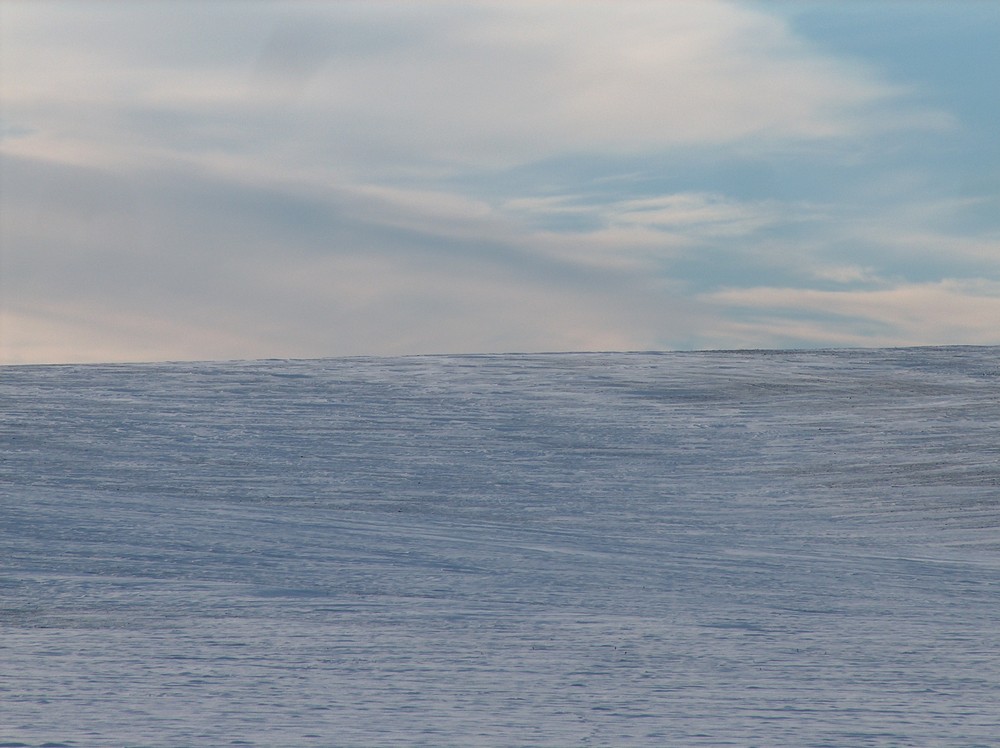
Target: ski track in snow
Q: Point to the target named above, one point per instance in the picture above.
(727, 549)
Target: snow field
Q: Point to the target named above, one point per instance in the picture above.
(728, 548)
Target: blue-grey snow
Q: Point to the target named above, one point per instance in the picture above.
(756, 548)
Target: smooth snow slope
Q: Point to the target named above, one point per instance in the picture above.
(736, 548)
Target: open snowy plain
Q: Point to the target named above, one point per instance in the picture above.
(720, 549)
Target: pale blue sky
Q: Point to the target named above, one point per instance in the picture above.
(192, 180)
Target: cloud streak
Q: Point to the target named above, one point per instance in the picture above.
(953, 310)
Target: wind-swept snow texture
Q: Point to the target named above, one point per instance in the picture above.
(733, 548)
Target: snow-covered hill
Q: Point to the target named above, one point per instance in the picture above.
(732, 548)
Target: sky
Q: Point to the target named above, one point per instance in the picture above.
(240, 180)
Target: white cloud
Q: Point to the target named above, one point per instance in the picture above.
(637, 233)
(325, 305)
(699, 214)
(152, 266)
(469, 84)
(326, 178)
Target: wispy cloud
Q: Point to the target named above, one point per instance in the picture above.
(453, 84)
(951, 310)
(208, 180)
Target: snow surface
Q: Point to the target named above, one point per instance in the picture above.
(731, 548)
